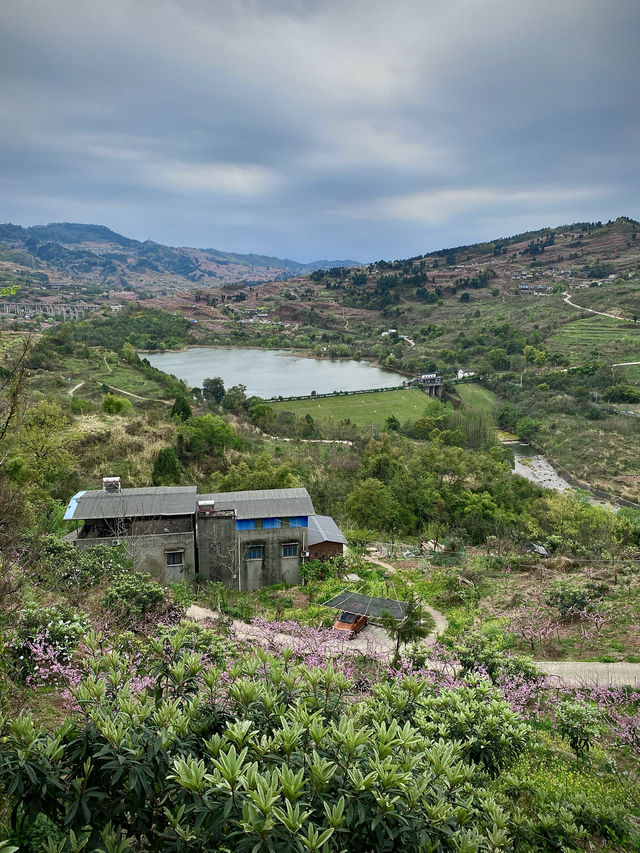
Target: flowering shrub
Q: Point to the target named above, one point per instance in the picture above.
(263, 755)
(45, 634)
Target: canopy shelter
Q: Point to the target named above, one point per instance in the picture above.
(367, 605)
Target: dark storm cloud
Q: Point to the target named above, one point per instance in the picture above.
(309, 129)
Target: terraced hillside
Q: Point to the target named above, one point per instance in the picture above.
(597, 337)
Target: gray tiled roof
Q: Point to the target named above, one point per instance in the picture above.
(263, 503)
(133, 503)
(322, 528)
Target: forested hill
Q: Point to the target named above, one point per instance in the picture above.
(73, 252)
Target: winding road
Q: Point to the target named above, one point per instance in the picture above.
(567, 299)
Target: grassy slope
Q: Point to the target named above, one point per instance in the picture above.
(101, 368)
(475, 396)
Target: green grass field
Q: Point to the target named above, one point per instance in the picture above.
(475, 396)
(362, 409)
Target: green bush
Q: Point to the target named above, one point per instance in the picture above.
(322, 569)
(489, 654)
(166, 468)
(579, 723)
(570, 599)
(114, 405)
(477, 716)
(133, 595)
(64, 567)
(79, 406)
(280, 762)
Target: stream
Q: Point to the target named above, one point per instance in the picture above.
(537, 468)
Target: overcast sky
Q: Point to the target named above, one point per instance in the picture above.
(319, 128)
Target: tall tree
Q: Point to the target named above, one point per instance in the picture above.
(181, 409)
(13, 397)
(213, 389)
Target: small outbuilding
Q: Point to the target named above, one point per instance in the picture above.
(325, 539)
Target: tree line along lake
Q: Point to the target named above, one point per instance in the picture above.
(272, 373)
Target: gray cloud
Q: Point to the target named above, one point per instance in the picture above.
(310, 129)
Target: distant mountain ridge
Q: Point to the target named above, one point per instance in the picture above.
(180, 260)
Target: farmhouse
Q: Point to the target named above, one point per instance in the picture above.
(255, 538)
(464, 373)
(244, 540)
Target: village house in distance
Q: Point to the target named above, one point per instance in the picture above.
(245, 540)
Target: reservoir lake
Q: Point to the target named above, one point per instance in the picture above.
(272, 373)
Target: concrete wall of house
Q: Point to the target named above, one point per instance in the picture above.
(218, 550)
(223, 553)
(322, 550)
(149, 554)
(273, 567)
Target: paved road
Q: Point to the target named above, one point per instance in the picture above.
(374, 640)
(586, 673)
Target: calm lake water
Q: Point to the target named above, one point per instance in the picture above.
(271, 373)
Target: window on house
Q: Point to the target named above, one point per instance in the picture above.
(255, 552)
(174, 558)
(290, 550)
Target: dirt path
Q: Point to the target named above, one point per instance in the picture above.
(72, 391)
(567, 299)
(311, 440)
(138, 397)
(107, 365)
(439, 618)
(373, 639)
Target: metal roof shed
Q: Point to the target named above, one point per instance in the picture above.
(322, 528)
(367, 605)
